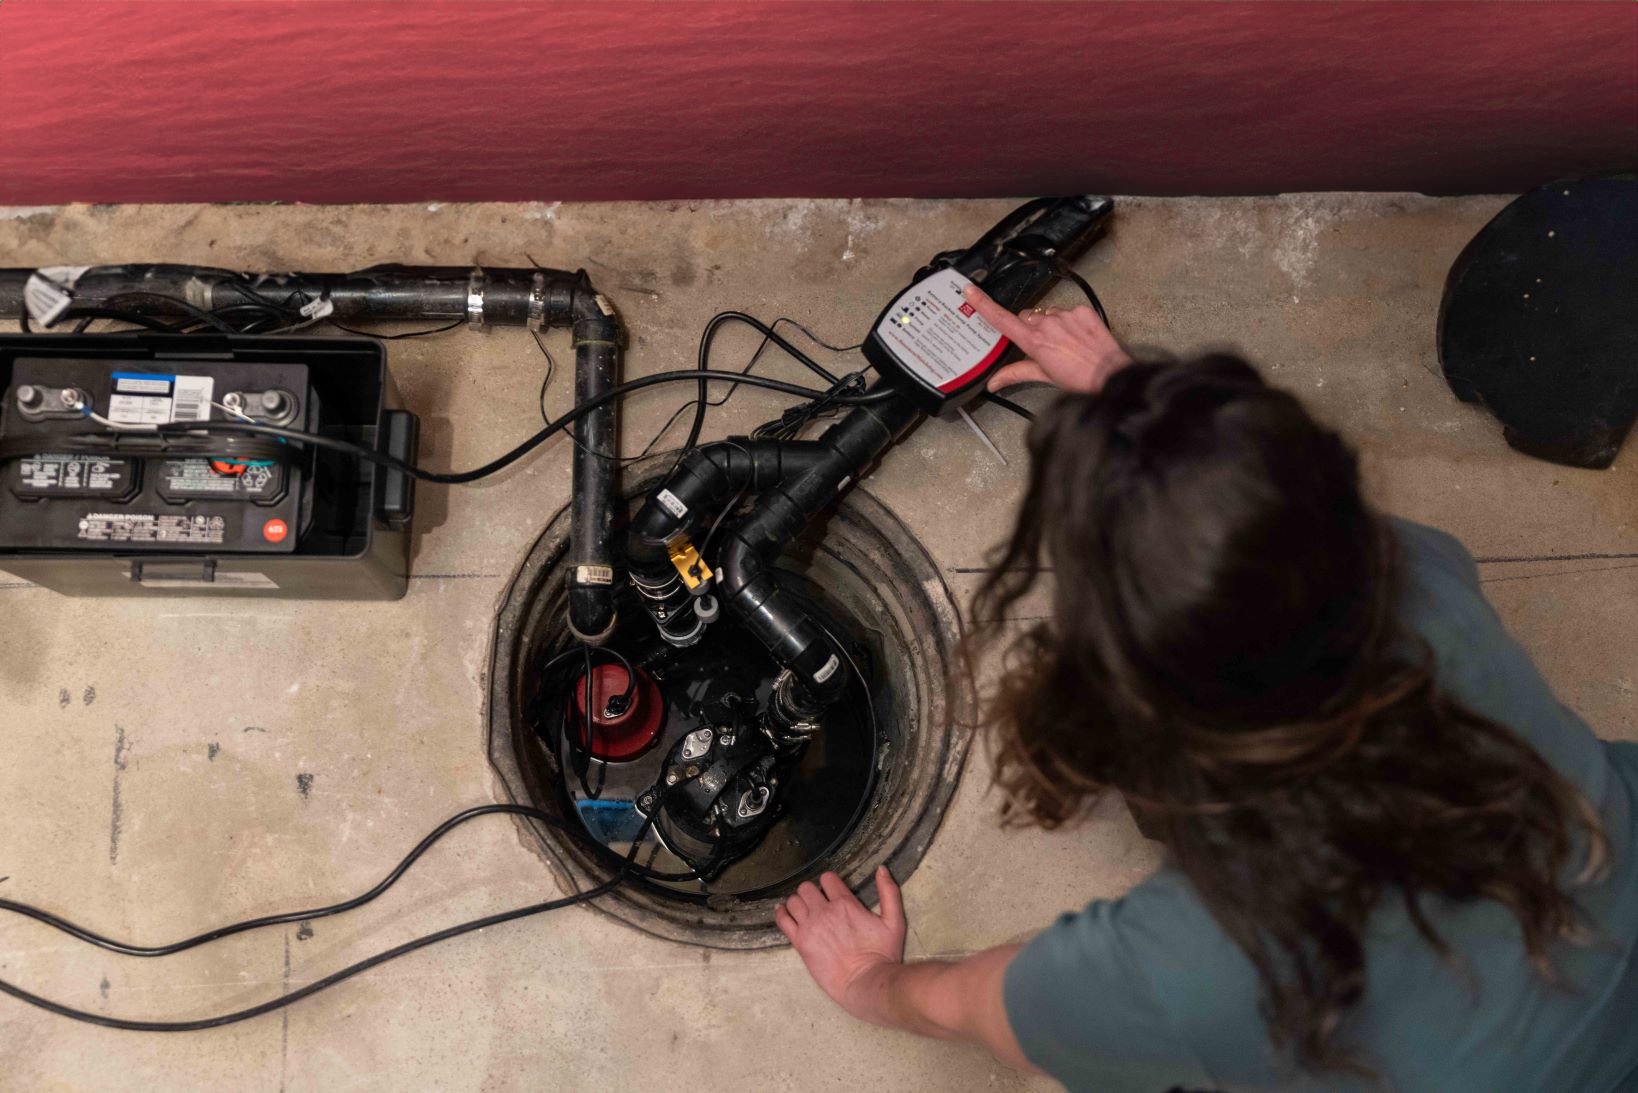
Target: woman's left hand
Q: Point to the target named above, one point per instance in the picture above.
(846, 946)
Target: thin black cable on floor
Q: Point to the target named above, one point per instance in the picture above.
(128, 949)
(125, 948)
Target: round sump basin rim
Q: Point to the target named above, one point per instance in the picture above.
(933, 639)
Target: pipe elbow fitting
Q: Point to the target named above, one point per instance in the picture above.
(591, 611)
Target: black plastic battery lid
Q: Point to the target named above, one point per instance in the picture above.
(933, 345)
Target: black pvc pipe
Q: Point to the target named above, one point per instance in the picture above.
(536, 298)
(1017, 261)
(706, 479)
(505, 297)
(593, 485)
(748, 586)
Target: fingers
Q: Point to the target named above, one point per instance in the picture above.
(811, 895)
(1024, 371)
(786, 924)
(887, 889)
(835, 889)
(997, 316)
(1086, 319)
(796, 907)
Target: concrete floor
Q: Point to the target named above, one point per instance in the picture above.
(166, 766)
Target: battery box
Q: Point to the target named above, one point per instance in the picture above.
(313, 523)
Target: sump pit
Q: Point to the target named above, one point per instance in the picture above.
(865, 569)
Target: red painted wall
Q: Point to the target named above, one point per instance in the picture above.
(338, 101)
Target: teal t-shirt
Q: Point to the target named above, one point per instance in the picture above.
(1147, 993)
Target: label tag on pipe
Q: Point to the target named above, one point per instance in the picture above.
(49, 290)
(828, 669)
(671, 503)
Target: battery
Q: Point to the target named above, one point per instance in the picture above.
(93, 501)
(70, 501)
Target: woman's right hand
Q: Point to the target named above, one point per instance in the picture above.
(1070, 349)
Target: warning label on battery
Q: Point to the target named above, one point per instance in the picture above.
(143, 398)
(183, 479)
(938, 337)
(132, 527)
(57, 475)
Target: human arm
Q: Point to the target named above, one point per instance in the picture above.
(856, 956)
(1069, 348)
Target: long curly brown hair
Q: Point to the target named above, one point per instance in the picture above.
(1224, 650)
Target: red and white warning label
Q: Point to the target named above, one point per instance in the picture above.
(938, 337)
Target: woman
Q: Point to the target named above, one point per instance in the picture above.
(1392, 858)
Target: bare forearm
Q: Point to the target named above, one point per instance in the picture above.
(950, 1000)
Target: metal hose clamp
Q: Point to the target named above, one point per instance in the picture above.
(537, 303)
(474, 298)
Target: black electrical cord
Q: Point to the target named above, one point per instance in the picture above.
(238, 283)
(787, 425)
(546, 380)
(197, 314)
(500, 462)
(88, 312)
(546, 419)
(126, 948)
(461, 477)
(1008, 404)
(334, 978)
(1086, 290)
(269, 310)
(399, 337)
(703, 363)
(580, 758)
(141, 444)
(631, 674)
(648, 449)
(583, 757)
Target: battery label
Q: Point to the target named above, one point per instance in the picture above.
(146, 398)
(937, 336)
(128, 384)
(184, 479)
(134, 527)
(57, 475)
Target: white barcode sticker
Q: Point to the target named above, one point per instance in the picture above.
(149, 398)
(671, 503)
(191, 399)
